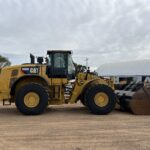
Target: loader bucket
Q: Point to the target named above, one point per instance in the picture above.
(140, 103)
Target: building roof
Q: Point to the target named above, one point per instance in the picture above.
(130, 68)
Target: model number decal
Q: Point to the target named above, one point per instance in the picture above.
(30, 70)
(34, 70)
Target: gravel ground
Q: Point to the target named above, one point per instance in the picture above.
(72, 127)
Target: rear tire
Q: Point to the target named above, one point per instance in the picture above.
(90, 95)
(41, 95)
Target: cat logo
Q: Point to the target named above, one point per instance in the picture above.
(30, 70)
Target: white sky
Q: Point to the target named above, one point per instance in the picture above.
(102, 30)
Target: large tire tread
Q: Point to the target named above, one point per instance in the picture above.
(32, 87)
(89, 99)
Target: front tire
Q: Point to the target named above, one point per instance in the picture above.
(31, 99)
(100, 99)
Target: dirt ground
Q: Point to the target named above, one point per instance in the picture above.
(72, 127)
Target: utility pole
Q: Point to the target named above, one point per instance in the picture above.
(86, 62)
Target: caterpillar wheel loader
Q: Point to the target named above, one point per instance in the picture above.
(34, 86)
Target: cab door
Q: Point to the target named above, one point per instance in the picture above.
(58, 65)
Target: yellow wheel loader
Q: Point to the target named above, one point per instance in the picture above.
(34, 86)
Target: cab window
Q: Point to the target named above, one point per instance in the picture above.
(59, 60)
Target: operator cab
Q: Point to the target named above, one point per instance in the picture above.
(60, 64)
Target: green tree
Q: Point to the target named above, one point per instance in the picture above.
(4, 60)
(80, 68)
